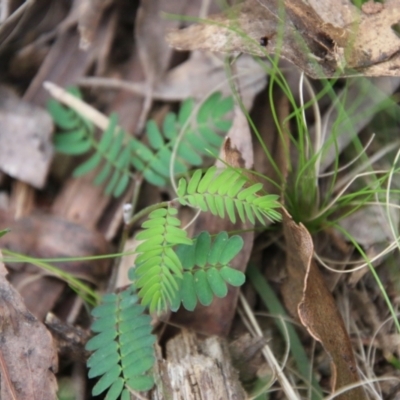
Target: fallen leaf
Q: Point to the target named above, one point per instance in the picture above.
(317, 309)
(49, 236)
(237, 150)
(28, 359)
(150, 29)
(187, 79)
(89, 15)
(25, 139)
(154, 54)
(295, 31)
(344, 11)
(258, 23)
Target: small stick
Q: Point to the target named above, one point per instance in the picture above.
(87, 111)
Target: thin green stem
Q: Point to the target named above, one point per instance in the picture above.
(75, 284)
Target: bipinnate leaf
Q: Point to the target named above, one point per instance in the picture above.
(226, 191)
(158, 269)
(123, 346)
(206, 269)
(110, 153)
(117, 152)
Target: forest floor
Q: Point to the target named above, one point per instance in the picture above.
(254, 177)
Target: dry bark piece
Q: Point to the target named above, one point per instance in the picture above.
(28, 357)
(25, 139)
(317, 309)
(299, 34)
(372, 7)
(197, 369)
(69, 340)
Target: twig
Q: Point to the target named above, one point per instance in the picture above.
(87, 111)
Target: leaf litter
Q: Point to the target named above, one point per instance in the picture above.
(119, 54)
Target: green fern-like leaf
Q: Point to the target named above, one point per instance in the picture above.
(74, 138)
(158, 269)
(116, 152)
(226, 192)
(202, 136)
(206, 269)
(123, 353)
(110, 153)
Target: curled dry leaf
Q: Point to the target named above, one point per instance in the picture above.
(292, 28)
(317, 309)
(25, 139)
(28, 360)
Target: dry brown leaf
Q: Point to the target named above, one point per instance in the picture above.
(155, 55)
(317, 309)
(237, 150)
(28, 360)
(187, 79)
(89, 15)
(48, 236)
(65, 63)
(25, 139)
(150, 29)
(336, 12)
(367, 46)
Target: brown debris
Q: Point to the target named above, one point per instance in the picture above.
(368, 45)
(28, 358)
(127, 67)
(24, 123)
(317, 310)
